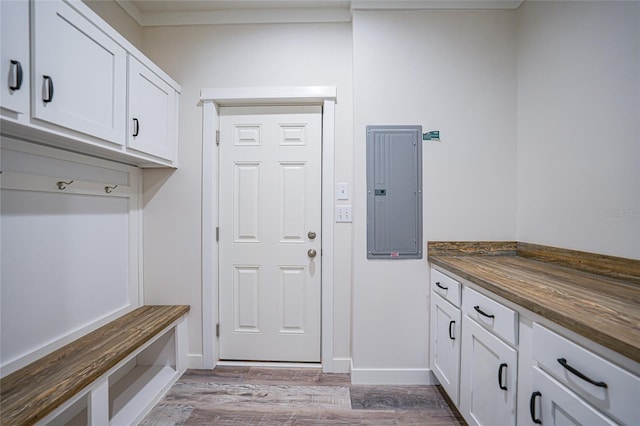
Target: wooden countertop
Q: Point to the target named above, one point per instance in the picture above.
(603, 309)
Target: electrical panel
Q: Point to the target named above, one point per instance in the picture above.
(394, 192)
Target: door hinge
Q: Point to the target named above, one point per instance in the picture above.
(217, 137)
(217, 233)
(218, 330)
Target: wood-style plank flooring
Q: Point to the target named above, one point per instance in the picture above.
(295, 396)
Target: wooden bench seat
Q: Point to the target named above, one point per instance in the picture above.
(31, 393)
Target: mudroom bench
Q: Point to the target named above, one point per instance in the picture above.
(113, 375)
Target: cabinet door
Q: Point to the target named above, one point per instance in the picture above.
(445, 344)
(79, 74)
(152, 118)
(553, 404)
(488, 377)
(14, 53)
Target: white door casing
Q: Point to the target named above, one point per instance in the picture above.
(212, 100)
(270, 239)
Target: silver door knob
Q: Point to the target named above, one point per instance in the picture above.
(311, 253)
(311, 235)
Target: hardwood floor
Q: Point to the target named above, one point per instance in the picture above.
(295, 396)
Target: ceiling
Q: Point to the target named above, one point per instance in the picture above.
(198, 12)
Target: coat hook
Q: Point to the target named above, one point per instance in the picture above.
(63, 185)
(108, 189)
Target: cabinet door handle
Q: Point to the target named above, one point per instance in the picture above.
(441, 286)
(48, 82)
(481, 312)
(136, 127)
(18, 66)
(532, 407)
(451, 324)
(500, 385)
(563, 362)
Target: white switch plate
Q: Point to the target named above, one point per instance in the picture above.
(343, 191)
(343, 213)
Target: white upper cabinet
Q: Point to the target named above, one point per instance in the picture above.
(71, 81)
(152, 112)
(79, 73)
(14, 53)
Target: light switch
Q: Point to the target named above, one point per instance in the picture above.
(343, 191)
(343, 213)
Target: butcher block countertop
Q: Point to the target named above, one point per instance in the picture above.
(602, 304)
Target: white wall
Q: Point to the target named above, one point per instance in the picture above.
(236, 56)
(579, 126)
(449, 71)
(118, 19)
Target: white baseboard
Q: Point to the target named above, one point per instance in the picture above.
(340, 365)
(195, 361)
(392, 376)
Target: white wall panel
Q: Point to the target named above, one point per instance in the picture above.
(579, 126)
(69, 257)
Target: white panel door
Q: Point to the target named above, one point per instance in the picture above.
(489, 368)
(270, 221)
(445, 344)
(79, 73)
(14, 54)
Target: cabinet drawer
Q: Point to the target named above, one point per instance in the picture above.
(446, 287)
(619, 399)
(493, 316)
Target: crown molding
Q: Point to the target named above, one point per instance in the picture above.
(131, 9)
(435, 4)
(301, 15)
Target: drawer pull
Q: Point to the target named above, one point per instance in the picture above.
(500, 385)
(441, 286)
(136, 127)
(563, 362)
(478, 310)
(451, 324)
(48, 83)
(532, 407)
(18, 67)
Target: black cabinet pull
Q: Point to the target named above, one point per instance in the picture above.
(136, 127)
(451, 324)
(441, 286)
(500, 385)
(532, 407)
(49, 84)
(478, 310)
(563, 362)
(18, 67)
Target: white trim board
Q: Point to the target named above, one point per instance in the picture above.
(296, 12)
(392, 376)
(211, 100)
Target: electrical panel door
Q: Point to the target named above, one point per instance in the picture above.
(394, 192)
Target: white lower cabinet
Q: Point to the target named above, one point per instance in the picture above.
(558, 381)
(553, 404)
(489, 369)
(445, 344)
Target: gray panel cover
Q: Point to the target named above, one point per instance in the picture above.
(394, 192)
